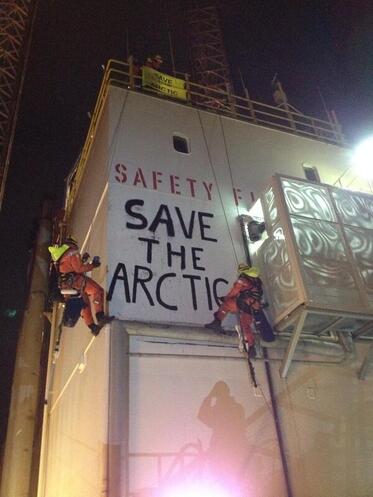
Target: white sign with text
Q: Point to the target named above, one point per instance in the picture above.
(170, 255)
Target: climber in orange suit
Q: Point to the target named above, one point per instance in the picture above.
(72, 267)
(245, 299)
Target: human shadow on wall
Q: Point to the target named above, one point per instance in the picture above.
(229, 447)
(224, 460)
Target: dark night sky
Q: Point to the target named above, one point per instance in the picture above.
(309, 43)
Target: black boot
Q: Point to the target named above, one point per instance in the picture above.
(95, 329)
(102, 319)
(251, 351)
(215, 325)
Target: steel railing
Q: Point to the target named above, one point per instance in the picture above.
(128, 76)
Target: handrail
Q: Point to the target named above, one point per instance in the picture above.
(122, 74)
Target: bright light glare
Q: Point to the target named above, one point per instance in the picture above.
(201, 489)
(362, 159)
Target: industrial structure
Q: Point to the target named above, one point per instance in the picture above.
(16, 20)
(156, 405)
(171, 174)
(207, 50)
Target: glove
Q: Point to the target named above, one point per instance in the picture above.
(85, 257)
(96, 261)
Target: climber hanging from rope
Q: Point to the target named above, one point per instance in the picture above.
(77, 288)
(245, 299)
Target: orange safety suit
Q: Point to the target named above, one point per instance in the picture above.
(244, 297)
(71, 262)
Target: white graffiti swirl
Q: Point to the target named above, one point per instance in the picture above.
(307, 200)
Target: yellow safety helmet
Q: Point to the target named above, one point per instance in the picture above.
(247, 270)
(57, 251)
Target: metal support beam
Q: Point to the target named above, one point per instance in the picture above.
(366, 364)
(16, 21)
(207, 51)
(292, 345)
(366, 328)
(289, 320)
(330, 326)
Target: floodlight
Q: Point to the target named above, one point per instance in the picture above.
(196, 489)
(362, 159)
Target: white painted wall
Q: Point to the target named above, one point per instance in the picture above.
(325, 412)
(75, 457)
(229, 164)
(191, 395)
(198, 418)
(76, 447)
(325, 418)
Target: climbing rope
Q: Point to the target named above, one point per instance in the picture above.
(112, 151)
(245, 351)
(249, 362)
(228, 159)
(217, 184)
(252, 371)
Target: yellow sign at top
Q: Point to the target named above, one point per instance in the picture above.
(164, 83)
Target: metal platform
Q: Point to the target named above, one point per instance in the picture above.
(316, 257)
(325, 326)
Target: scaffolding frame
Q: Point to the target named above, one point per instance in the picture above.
(16, 21)
(207, 51)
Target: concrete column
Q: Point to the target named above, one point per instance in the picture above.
(18, 456)
(118, 426)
